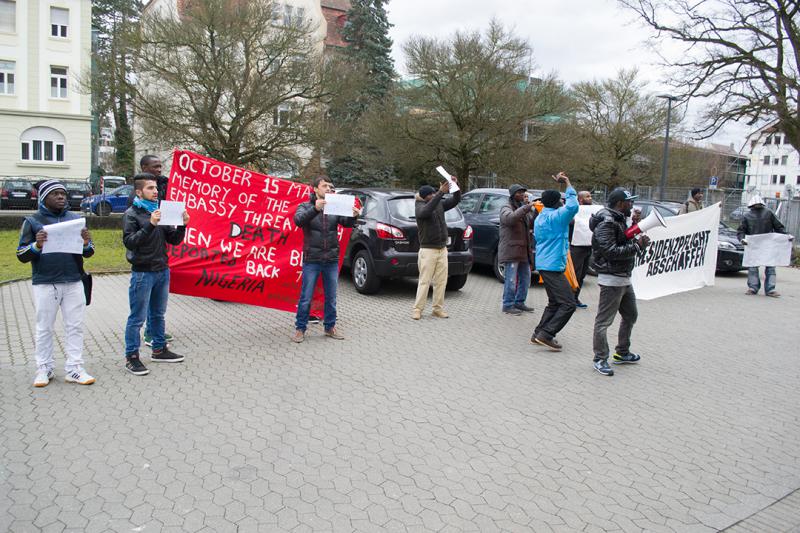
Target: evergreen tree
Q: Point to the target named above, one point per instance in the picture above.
(369, 46)
(354, 159)
(115, 21)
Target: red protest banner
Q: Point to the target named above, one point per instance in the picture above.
(241, 243)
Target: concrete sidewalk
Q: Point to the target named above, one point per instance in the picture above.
(436, 425)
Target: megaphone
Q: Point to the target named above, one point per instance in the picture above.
(653, 220)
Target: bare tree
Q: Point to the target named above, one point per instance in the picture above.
(741, 55)
(616, 120)
(236, 83)
(467, 102)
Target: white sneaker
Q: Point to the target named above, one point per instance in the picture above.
(81, 377)
(43, 378)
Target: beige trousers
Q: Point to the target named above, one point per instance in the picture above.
(432, 263)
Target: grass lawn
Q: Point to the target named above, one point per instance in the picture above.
(109, 254)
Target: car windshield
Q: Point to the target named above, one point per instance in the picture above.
(403, 208)
(76, 186)
(18, 184)
(120, 190)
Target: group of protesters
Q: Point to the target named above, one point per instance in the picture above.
(598, 234)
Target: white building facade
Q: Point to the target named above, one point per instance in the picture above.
(773, 170)
(45, 48)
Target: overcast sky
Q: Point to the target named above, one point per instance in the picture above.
(578, 39)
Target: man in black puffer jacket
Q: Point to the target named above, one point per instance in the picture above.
(756, 221)
(320, 256)
(146, 242)
(432, 259)
(614, 256)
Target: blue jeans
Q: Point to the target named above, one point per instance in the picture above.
(754, 280)
(147, 295)
(518, 280)
(330, 276)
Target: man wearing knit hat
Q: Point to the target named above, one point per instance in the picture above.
(551, 230)
(57, 285)
(432, 259)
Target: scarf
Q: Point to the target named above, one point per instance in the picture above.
(149, 205)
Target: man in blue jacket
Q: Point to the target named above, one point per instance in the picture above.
(56, 285)
(551, 230)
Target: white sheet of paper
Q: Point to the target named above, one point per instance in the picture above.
(64, 237)
(339, 204)
(767, 249)
(171, 213)
(446, 175)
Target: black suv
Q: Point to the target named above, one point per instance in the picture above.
(481, 208)
(17, 193)
(385, 245)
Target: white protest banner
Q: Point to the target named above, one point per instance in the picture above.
(680, 257)
(582, 235)
(767, 249)
(446, 175)
(64, 237)
(339, 204)
(171, 213)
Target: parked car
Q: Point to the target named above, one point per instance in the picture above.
(738, 214)
(384, 243)
(17, 193)
(102, 184)
(481, 209)
(730, 250)
(115, 201)
(76, 192)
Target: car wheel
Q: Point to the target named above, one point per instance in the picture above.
(454, 283)
(363, 274)
(499, 269)
(104, 209)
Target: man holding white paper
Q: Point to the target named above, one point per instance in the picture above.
(321, 253)
(56, 280)
(757, 221)
(146, 242)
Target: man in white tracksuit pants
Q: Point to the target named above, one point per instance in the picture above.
(56, 285)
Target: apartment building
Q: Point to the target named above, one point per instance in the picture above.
(774, 167)
(45, 48)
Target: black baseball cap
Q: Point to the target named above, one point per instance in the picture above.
(620, 194)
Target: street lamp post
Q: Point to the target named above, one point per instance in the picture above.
(663, 184)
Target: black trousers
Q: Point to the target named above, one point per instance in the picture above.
(581, 255)
(612, 301)
(560, 304)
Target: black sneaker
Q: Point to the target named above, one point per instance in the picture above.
(135, 367)
(602, 367)
(165, 356)
(525, 308)
(512, 311)
(580, 305)
(628, 358)
(314, 319)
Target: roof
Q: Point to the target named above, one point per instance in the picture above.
(340, 5)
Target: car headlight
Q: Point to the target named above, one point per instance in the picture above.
(722, 245)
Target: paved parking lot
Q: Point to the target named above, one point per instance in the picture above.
(436, 425)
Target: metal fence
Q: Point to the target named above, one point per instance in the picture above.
(734, 203)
